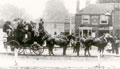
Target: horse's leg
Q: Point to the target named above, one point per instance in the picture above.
(48, 49)
(112, 48)
(78, 49)
(49, 52)
(64, 50)
(24, 50)
(74, 49)
(88, 51)
(102, 51)
(85, 51)
(52, 50)
(116, 49)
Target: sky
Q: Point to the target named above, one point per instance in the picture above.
(36, 7)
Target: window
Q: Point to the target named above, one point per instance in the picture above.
(85, 19)
(103, 19)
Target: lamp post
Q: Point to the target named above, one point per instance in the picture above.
(113, 22)
(69, 20)
(70, 25)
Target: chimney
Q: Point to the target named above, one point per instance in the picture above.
(77, 6)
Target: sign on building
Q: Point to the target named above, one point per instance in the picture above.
(95, 20)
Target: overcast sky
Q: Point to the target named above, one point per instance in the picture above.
(36, 7)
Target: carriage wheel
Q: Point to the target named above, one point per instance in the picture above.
(13, 44)
(21, 50)
(37, 49)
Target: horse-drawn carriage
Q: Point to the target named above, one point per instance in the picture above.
(25, 41)
(31, 38)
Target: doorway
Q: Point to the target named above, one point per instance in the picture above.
(85, 33)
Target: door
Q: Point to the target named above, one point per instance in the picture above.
(85, 33)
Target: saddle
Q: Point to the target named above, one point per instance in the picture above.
(60, 41)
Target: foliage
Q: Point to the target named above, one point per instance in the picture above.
(2, 22)
(9, 12)
(55, 11)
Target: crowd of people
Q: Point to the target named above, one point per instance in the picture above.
(23, 29)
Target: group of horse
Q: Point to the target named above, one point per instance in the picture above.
(41, 36)
(100, 42)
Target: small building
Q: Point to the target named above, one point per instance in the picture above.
(56, 28)
(97, 19)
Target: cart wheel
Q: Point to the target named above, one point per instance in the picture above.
(37, 49)
(21, 50)
(13, 44)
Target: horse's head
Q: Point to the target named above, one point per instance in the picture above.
(102, 39)
(71, 37)
(82, 39)
(109, 37)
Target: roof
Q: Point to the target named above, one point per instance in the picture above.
(97, 8)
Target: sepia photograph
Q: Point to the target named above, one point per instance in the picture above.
(59, 34)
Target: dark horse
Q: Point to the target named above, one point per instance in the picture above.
(100, 42)
(76, 45)
(62, 42)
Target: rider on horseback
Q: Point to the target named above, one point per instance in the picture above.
(20, 31)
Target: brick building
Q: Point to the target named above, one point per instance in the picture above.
(97, 19)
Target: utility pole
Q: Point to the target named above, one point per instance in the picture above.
(113, 22)
(77, 6)
(70, 25)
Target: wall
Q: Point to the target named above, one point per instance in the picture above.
(116, 19)
(58, 27)
(78, 21)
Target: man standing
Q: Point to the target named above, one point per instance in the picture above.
(116, 45)
(7, 28)
(41, 25)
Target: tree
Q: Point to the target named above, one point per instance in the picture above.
(9, 12)
(55, 11)
(2, 22)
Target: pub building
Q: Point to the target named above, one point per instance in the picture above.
(96, 19)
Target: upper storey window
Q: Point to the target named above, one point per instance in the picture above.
(85, 19)
(103, 19)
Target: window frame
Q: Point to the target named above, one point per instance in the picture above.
(104, 20)
(88, 20)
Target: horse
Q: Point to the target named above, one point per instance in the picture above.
(62, 42)
(76, 45)
(100, 42)
(114, 40)
(50, 42)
